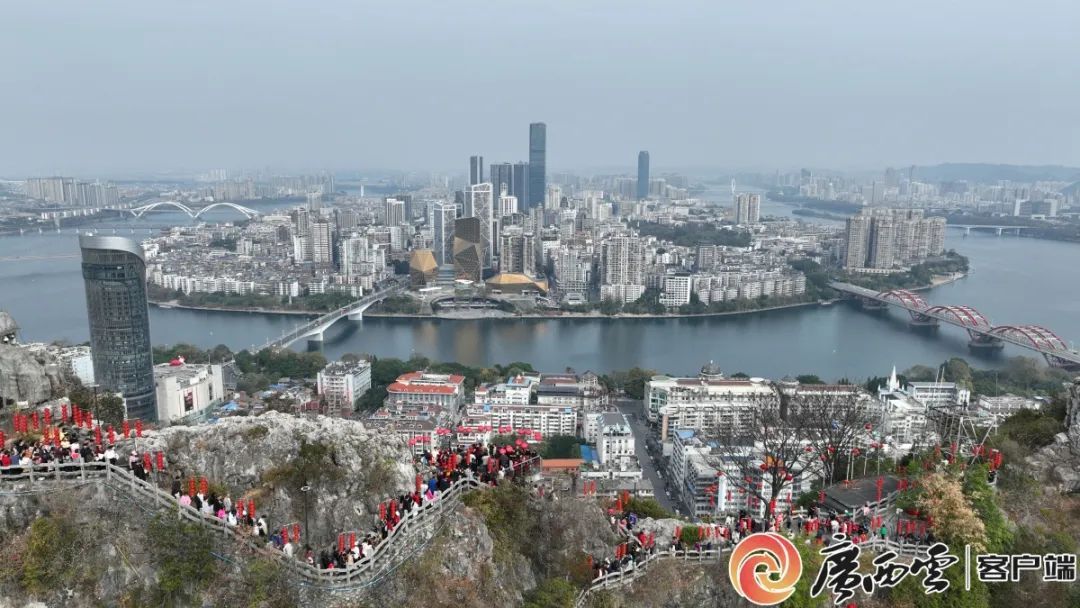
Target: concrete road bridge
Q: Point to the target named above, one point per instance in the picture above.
(967, 228)
(314, 330)
(982, 333)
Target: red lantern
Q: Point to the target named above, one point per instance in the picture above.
(285, 533)
(821, 496)
(48, 417)
(147, 464)
(251, 509)
(126, 427)
(417, 483)
(191, 486)
(138, 427)
(352, 539)
(204, 485)
(88, 418)
(2, 440)
(64, 412)
(296, 532)
(97, 436)
(112, 435)
(160, 460)
(341, 543)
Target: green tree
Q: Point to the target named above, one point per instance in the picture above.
(551, 593)
(180, 553)
(809, 379)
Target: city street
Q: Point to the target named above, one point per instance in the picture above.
(650, 468)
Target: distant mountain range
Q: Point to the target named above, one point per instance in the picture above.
(989, 173)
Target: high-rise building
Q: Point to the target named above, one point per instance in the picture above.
(480, 204)
(476, 170)
(537, 164)
(642, 175)
(883, 242)
(520, 184)
(395, 211)
(517, 251)
(553, 198)
(858, 241)
(747, 208)
(501, 176)
(407, 201)
(443, 215)
(621, 261)
(322, 242)
(468, 249)
(114, 272)
(882, 238)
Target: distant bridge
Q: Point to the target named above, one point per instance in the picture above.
(967, 228)
(194, 213)
(313, 330)
(983, 334)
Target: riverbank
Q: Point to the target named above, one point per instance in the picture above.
(256, 310)
(466, 315)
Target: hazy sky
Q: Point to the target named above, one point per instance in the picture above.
(101, 87)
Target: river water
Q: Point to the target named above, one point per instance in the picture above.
(1014, 281)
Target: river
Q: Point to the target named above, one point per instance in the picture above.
(1013, 280)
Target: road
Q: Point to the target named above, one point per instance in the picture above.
(649, 467)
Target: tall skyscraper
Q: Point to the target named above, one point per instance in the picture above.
(642, 175)
(537, 165)
(517, 251)
(114, 272)
(476, 170)
(443, 215)
(480, 204)
(520, 183)
(747, 208)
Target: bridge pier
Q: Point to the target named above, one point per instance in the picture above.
(871, 304)
(985, 343)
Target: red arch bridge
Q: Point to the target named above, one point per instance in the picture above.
(982, 332)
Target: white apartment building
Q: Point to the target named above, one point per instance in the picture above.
(340, 384)
(676, 290)
(615, 439)
(710, 403)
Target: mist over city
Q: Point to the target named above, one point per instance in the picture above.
(539, 304)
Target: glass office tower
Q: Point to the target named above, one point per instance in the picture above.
(114, 271)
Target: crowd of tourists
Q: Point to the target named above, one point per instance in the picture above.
(439, 470)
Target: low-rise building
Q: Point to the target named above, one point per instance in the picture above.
(423, 388)
(186, 390)
(709, 402)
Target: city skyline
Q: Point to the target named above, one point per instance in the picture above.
(872, 96)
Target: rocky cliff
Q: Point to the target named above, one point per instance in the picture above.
(346, 467)
(28, 376)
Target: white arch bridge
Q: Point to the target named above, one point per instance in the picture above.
(248, 212)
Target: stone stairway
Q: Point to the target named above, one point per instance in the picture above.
(408, 538)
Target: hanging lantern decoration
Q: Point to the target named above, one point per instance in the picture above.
(251, 509)
(191, 486)
(126, 428)
(64, 412)
(112, 435)
(204, 486)
(88, 418)
(48, 416)
(97, 436)
(147, 463)
(160, 460)
(296, 532)
(138, 427)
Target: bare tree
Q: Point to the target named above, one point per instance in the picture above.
(830, 423)
(765, 451)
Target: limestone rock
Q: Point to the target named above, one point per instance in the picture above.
(28, 376)
(348, 468)
(1072, 417)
